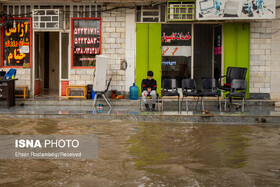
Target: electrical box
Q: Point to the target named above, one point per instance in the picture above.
(100, 73)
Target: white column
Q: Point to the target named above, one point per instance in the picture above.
(275, 57)
(130, 51)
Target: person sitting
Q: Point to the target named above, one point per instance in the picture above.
(149, 87)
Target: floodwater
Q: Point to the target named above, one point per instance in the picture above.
(150, 154)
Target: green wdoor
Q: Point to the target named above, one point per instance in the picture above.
(237, 47)
(148, 52)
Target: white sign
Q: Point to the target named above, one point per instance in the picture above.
(176, 51)
(24, 49)
(235, 9)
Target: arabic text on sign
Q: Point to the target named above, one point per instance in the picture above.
(175, 36)
(17, 56)
(86, 40)
(21, 28)
(13, 43)
(87, 50)
(168, 63)
(86, 31)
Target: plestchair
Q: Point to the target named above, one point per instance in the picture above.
(210, 89)
(237, 90)
(170, 88)
(189, 89)
(103, 94)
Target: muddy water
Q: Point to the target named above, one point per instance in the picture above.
(151, 154)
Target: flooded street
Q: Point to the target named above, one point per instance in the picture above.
(150, 154)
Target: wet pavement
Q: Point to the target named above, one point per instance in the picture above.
(150, 154)
(262, 113)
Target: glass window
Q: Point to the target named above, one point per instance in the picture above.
(64, 55)
(150, 13)
(75, 13)
(67, 17)
(93, 11)
(176, 51)
(99, 11)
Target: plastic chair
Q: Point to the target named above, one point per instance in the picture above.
(169, 88)
(237, 90)
(103, 95)
(232, 73)
(189, 89)
(10, 74)
(210, 89)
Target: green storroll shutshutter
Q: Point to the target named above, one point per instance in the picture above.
(237, 47)
(148, 52)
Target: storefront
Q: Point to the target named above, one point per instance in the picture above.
(184, 47)
(177, 39)
(47, 43)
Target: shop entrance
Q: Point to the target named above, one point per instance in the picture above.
(47, 63)
(207, 52)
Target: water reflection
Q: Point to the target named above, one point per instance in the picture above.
(151, 154)
(204, 154)
(146, 147)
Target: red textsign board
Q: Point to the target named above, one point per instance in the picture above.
(86, 41)
(16, 42)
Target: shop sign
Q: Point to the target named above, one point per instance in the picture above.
(176, 51)
(16, 42)
(86, 41)
(168, 63)
(235, 9)
(176, 40)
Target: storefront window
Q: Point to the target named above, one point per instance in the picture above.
(176, 51)
(86, 41)
(16, 43)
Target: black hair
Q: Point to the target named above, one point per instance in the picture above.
(150, 73)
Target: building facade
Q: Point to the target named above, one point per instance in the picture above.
(55, 44)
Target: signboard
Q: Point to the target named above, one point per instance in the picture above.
(176, 46)
(176, 40)
(16, 42)
(235, 9)
(86, 41)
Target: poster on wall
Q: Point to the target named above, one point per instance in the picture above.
(86, 41)
(16, 43)
(235, 9)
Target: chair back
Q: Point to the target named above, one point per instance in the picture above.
(168, 84)
(188, 85)
(238, 85)
(235, 73)
(209, 84)
(108, 85)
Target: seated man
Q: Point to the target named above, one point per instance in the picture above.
(149, 87)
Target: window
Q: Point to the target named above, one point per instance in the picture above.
(47, 19)
(64, 55)
(152, 13)
(180, 11)
(65, 12)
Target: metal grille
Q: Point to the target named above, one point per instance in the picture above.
(46, 19)
(154, 13)
(65, 12)
(180, 11)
